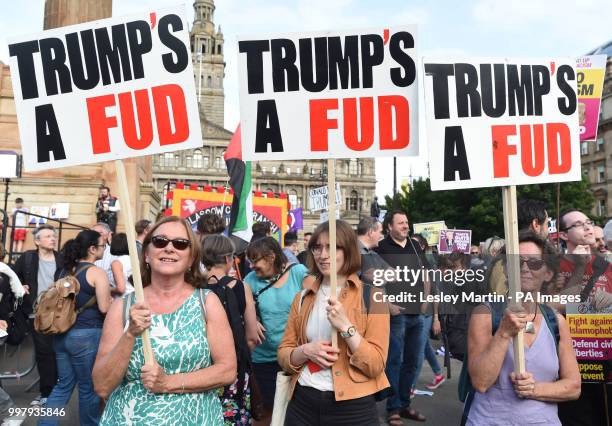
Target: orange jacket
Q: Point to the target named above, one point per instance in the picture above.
(355, 374)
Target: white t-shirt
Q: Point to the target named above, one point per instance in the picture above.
(105, 263)
(127, 271)
(21, 220)
(319, 328)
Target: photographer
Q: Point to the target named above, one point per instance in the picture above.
(107, 208)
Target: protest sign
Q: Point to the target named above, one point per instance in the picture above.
(324, 216)
(191, 204)
(59, 211)
(591, 71)
(317, 198)
(295, 220)
(592, 341)
(332, 94)
(105, 90)
(500, 122)
(430, 231)
(455, 240)
(40, 211)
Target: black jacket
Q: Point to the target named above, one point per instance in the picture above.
(26, 268)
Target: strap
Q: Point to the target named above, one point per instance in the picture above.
(225, 280)
(274, 281)
(599, 267)
(466, 408)
(87, 305)
(302, 295)
(552, 322)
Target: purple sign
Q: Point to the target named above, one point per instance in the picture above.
(455, 240)
(295, 220)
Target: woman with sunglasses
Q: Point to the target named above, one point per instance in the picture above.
(75, 350)
(218, 258)
(551, 373)
(190, 336)
(274, 283)
(335, 386)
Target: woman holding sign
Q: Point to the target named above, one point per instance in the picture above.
(551, 369)
(189, 334)
(335, 386)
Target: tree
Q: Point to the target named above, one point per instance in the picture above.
(481, 209)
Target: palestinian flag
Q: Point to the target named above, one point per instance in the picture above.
(241, 216)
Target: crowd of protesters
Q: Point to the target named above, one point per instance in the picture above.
(205, 293)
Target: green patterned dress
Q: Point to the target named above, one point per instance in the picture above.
(180, 346)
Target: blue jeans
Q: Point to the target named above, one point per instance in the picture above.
(427, 351)
(405, 345)
(75, 352)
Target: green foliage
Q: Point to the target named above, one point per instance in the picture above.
(481, 209)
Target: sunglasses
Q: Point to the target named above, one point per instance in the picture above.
(160, 242)
(532, 263)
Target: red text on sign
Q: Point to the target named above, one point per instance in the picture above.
(538, 143)
(358, 118)
(137, 121)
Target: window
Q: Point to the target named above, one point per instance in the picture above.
(263, 169)
(217, 162)
(601, 208)
(209, 81)
(205, 161)
(177, 160)
(288, 170)
(601, 173)
(197, 159)
(188, 160)
(167, 160)
(293, 199)
(273, 170)
(584, 148)
(600, 145)
(298, 170)
(353, 166)
(219, 52)
(352, 203)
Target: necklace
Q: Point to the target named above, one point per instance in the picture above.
(530, 326)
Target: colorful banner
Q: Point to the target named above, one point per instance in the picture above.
(592, 342)
(590, 72)
(295, 220)
(191, 204)
(455, 240)
(430, 231)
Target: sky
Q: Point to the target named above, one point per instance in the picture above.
(489, 28)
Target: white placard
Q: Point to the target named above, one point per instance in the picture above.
(317, 198)
(332, 94)
(501, 122)
(105, 90)
(324, 216)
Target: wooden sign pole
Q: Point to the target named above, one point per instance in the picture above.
(128, 219)
(331, 206)
(513, 266)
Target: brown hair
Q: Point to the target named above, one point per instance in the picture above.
(266, 247)
(192, 275)
(345, 239)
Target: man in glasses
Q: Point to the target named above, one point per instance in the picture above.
(590, 276)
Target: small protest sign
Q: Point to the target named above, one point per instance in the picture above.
(591, 71)
(295, 220)
(592, 342)
(317, 198)
(324, 216)
(455, 240)
(332, 94)
(105, 90)
(430, 231)
(59, 211)
(501, 122)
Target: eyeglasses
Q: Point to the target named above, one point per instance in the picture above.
(160, 242)
(317, 249)
(581, 225)
(532, 263)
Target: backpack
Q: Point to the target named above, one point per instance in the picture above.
(55, 311)
(466, 390)
(236, 320)
(11, 310)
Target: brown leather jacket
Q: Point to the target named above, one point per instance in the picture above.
(357, 374)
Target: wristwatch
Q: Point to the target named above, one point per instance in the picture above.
(350, 332)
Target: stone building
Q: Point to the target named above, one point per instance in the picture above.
(595, 155)
(75, 185)
(205, 166)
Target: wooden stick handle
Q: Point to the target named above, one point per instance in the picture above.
(513, 266)
(128, 219)
(331, 204)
